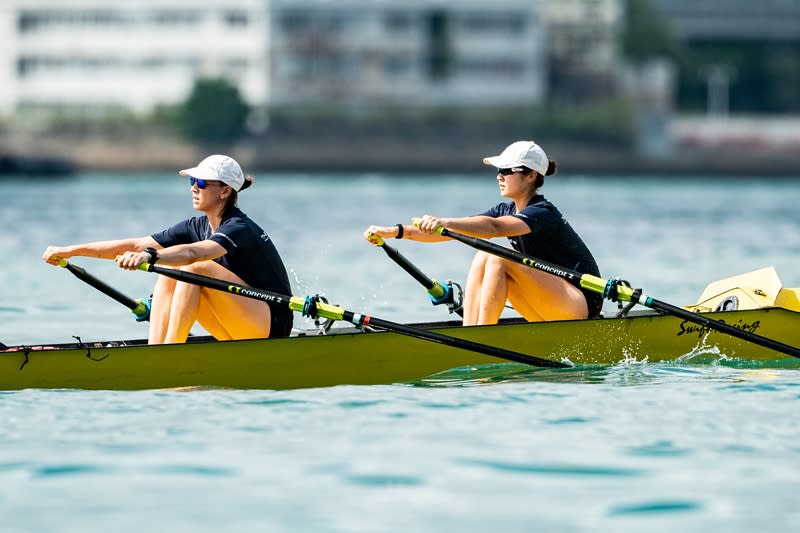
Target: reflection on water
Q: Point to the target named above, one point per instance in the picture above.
(625, 373)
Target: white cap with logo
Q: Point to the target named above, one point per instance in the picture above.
(218, 168)
(519, 154)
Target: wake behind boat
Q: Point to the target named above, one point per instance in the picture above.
(754, 303)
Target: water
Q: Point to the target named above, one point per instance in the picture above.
(629, 448)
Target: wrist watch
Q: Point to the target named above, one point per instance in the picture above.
(153, 253)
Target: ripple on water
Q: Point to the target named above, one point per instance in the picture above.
(47, 471)
(659, 449)
(384, 480)
(655, 507)
(555, 469)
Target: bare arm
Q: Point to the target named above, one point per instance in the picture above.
(178, 255)
(478, 226)
(99, 249)
(409, 232)
(424, 229)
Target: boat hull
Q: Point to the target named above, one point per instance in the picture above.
(350, 356)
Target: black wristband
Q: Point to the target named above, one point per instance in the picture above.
(153, 253)
(399, 231)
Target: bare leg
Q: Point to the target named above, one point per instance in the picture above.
(535, 295)
(226, 316)
(183, 312)
(160, 309)
(540, 296)
(494, 291)
(472, 292)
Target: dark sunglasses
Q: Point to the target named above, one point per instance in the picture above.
(200, 182)
(509, 171)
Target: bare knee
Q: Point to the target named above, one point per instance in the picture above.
(164, 284)
(496, 265)
(479, 261)
(199, 267)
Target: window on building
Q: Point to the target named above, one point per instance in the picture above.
(439, 47)
(27, 21)
(295, 21)
(397, 22)
(512, 23)
(397, 66)
(24, 66)
(238, 19)
(506, 68)
(176, 17)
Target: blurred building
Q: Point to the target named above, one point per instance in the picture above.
(95, 55)
(714, 20)
(92, 55)
(583, 48)
(740, 56)
(418, 52)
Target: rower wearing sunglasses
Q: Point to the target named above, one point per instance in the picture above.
(534, 227)
(224, 243)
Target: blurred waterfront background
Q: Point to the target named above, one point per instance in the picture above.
(606, 86)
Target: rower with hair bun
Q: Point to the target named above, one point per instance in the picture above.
(224, 243)
(534, 227)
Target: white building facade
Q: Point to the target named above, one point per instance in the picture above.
(131, 54)
(136, 54)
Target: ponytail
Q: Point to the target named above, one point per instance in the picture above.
(233, 199)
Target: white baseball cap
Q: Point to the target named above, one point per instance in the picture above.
(519, 154)
(218, 168)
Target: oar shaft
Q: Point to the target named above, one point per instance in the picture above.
(572, 276)
(137, 307)
(596, 284)
(719, 325)
(337, 313)
(416, 273)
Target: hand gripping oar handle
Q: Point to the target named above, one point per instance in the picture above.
(333, 312)
(138, 307)
(438, 293)
(611, 289)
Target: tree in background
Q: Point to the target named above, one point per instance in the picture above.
(214, 112)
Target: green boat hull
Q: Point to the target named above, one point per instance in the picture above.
(348, 356)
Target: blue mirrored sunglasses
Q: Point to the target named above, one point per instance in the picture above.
(200, 182)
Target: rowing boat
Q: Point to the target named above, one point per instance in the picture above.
(754, 303)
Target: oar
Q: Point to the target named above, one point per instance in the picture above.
(612, 290)
(312, 307)
(139, 308)
(438, 293)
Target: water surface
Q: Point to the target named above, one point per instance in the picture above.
(633, 447)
